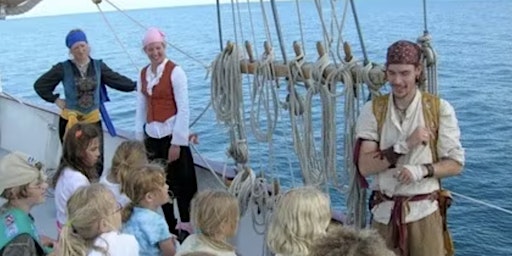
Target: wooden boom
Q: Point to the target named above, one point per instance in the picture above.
(249, 65)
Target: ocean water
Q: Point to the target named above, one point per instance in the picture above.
(473, 40)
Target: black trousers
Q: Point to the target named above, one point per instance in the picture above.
(62, 129)
(181, 178)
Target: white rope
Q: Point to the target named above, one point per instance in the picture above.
(340, 25)
(264, 92)
(429, 64)
(299, 15)
(205, 66)
(265, 22)
(501, 209)
(242, 186)
(117, 38)
(227, 100)
(253, 34)
(303, 139)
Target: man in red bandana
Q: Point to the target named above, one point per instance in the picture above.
(408, 141)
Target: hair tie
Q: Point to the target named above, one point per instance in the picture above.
(70, 226)
(78, 134)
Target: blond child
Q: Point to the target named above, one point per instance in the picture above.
(301, 216)
(23, 184)
(148, 191)
(129, 155)
(345, 241)
(215, 214)
(94, 221)
(77, 167)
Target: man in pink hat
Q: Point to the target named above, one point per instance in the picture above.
(162, 121)
(409, 140)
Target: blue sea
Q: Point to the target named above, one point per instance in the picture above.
(473, 39)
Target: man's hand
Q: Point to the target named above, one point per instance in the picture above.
(193, 138)
(410, 173)
(60, 103)
(421, 135)
(174, 153)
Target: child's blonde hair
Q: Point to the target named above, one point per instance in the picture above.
(301, 216)
(129, 154)
(344, 241)
(145, 179)
(86, 208)
(198, 254)
(211, 210)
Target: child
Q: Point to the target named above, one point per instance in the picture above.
(148, 191)
(94, 220)
(77, 167)
(301, 216)
(215, 214)
(129, 154)
(23, 184)
(345, 241)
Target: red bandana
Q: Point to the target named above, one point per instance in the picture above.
(404, 52)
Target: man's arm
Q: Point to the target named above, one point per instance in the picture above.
(446, 167)
(372, 160)
(449, 147)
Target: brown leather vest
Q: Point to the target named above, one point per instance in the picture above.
(161, 104)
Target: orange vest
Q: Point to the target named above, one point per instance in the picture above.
(161, 104)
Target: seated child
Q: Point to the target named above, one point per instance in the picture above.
(148, 191)
(94, 221)
(23, 184)
(80, 153)
(129, 155)
(345, 241)
(215, 215)
(301, 216)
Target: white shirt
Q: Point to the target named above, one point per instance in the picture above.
(69, 181)
(448, 146)
(176, 125)
(116, 190)
(193, 244)
(117, 244)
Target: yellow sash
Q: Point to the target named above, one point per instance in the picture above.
(74, 117)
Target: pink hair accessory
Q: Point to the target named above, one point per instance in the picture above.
(153, 35)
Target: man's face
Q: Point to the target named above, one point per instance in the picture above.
(402, 78)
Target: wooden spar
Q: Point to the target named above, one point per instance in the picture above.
(249, 66)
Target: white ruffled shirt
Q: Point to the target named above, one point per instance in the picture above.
(394, 133)
(176, 125)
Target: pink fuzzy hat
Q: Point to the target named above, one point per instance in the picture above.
(153, 35)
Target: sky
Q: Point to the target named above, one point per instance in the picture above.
(58, 7)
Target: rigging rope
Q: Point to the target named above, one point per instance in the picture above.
(219, 25)
(277, 23)
(117, 38)
(359, 32)
(205, 66)
(264, 91)
(299, 15)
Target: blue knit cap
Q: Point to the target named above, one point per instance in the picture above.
(75, 36)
